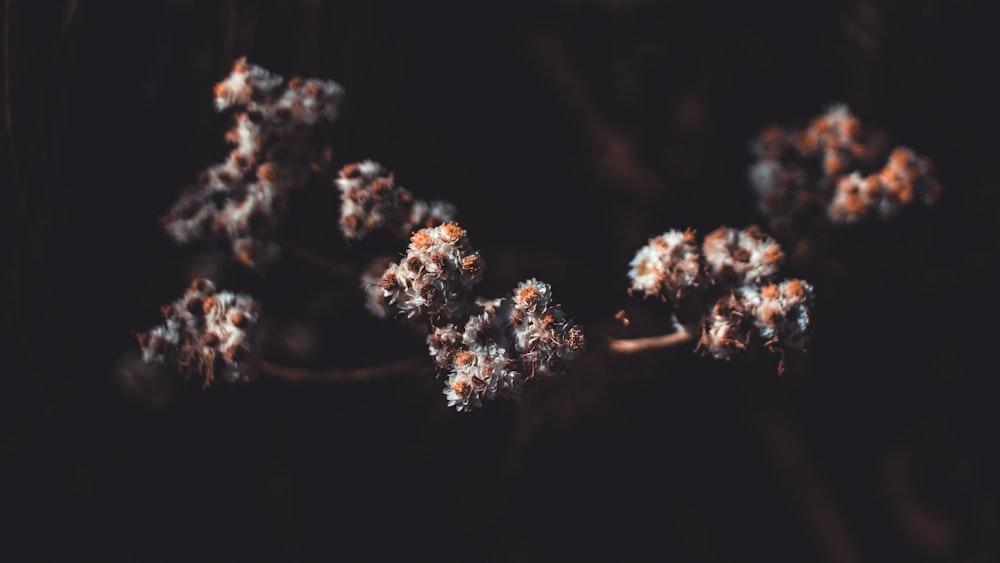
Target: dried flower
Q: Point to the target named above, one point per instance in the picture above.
(780, 311)
(375, 296)
(905, 178)
(503, 345)
(737, 257)
(723, 291)
(485, 348)
(669, 266)
(432, 279)
(819, 172)
(243, 198)
(724, 329)
(370, 199)
(207, 334)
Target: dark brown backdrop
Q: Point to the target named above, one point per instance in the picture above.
(566, 133)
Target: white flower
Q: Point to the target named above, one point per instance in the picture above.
(206, 333)
(433, 277)
(668, 266)
(242, 198)
(737, 257)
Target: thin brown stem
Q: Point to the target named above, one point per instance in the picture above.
(636, 345)
(809, 488)
(336, 267)
(397, 368)
(616, 154)
(68, 16)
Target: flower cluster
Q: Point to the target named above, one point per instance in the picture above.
(723, 289)
(485, 348)
(206, 333)
(243, 198)
(779, 312)
(669, 266)
(819, 172)
(370, 199)
(504, 344)
(433, 278)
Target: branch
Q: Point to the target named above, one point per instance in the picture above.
(341, 375)
(808, 487)
(617, 156)
(635, 345)
(310, 256)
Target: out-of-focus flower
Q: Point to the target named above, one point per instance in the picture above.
(242, 199)
(207, 334)
(824, 172)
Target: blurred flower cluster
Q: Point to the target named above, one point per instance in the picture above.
(370, 199)
(207, 334)
(830, 172)
(242, 199)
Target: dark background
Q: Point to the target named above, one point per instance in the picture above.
(566, 133)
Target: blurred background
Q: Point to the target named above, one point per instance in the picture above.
(566, 133)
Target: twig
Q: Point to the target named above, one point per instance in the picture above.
(68, 17)
(616, 154)
(634, 345)
(808, 487)
(400, 367)
(310, 256)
